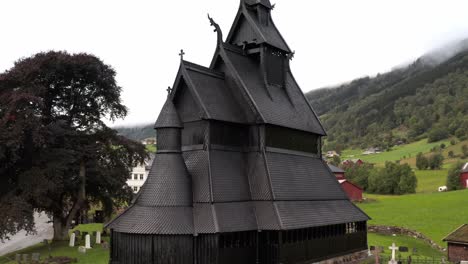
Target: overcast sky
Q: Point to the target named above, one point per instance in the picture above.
(335, 40)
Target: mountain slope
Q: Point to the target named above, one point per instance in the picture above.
(426, 98)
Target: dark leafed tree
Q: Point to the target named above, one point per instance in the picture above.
(56, 154)
(453, 177)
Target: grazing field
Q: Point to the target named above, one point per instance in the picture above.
(430, 180)
(423, 249)
(97, 255)
(433, 214)
(397, 153)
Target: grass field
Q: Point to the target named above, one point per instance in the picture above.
(430, 180)
(397, 153)
(433, 214)
(423, 249)
(97, 255)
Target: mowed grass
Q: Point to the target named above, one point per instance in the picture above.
(429, 181)
(97, 255)
(423, 249)
(433, 214)
(396, 154)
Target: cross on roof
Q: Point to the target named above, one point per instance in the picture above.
(181, 54)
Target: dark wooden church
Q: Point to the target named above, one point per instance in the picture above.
(238, 176)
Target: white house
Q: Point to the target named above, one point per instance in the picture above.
(139, 174)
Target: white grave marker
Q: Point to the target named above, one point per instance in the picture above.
(98, 237)
(393, 248)
(88, 241)
(72, 240)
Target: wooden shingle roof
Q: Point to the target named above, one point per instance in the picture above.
(460, 235)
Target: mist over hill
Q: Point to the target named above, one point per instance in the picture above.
(138, 132)
(427, 98)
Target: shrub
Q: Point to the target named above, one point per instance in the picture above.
(422, 162)
(453, 177)
(453, 142)
(393, 179)
(437, 134)
(464, 150)
(436, 161)
(451, 154)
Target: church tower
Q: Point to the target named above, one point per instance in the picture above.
(238, 175)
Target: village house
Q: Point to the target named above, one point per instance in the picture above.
(139, 174)
(149, 141)
(464, 176)
(371, 151)
(331, 154)
(457, 248)
(353, 191)
(350, 162)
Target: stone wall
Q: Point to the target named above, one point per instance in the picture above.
(457, 252)
(353, 258)
(390, 230)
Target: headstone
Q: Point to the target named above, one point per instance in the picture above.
(105, 245)
(72, 240)
(87, 241)
(403, 249)
(393, 248)
(35, 257)
(81, 249)
(98, 237)
(25, 257)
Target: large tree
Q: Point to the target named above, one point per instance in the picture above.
(56, 153)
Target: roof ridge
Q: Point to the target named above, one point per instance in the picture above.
(202, 69)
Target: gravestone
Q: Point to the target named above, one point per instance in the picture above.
(403, 249)
(87, 241)
(98, 237)
(72, 240)
(35, 257)
(81, 249)
(25, 258)
(393, 248)
(105, 245)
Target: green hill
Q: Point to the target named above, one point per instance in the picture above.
(137, 133)
(424, 99)
(434, 214)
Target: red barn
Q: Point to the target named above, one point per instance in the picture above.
(353, 191)
(350, 162)
(458, 244)
(464, 176)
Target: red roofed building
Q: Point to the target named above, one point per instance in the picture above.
(464, 176)
(353, 191)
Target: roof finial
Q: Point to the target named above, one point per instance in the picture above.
(169, 90)
(291, 55)
(217, 29)
(181, 54)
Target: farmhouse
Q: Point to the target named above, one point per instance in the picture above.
(238, 175)
(139, 174)
(353, 191)
(464, 176)
(350, 162)
(458, 244)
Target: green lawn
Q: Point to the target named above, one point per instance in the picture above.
(430, 180)
(433, 214)
(423, 249)
(397, 153)
(97, 255)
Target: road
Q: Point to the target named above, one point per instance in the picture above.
(21, 240)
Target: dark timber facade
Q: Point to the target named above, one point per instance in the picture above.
(238, 176)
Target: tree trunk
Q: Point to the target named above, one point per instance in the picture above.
(62, 224)
(60, 229)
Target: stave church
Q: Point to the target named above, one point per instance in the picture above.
(238, 177)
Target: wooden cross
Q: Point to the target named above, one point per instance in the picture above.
(181, 54)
